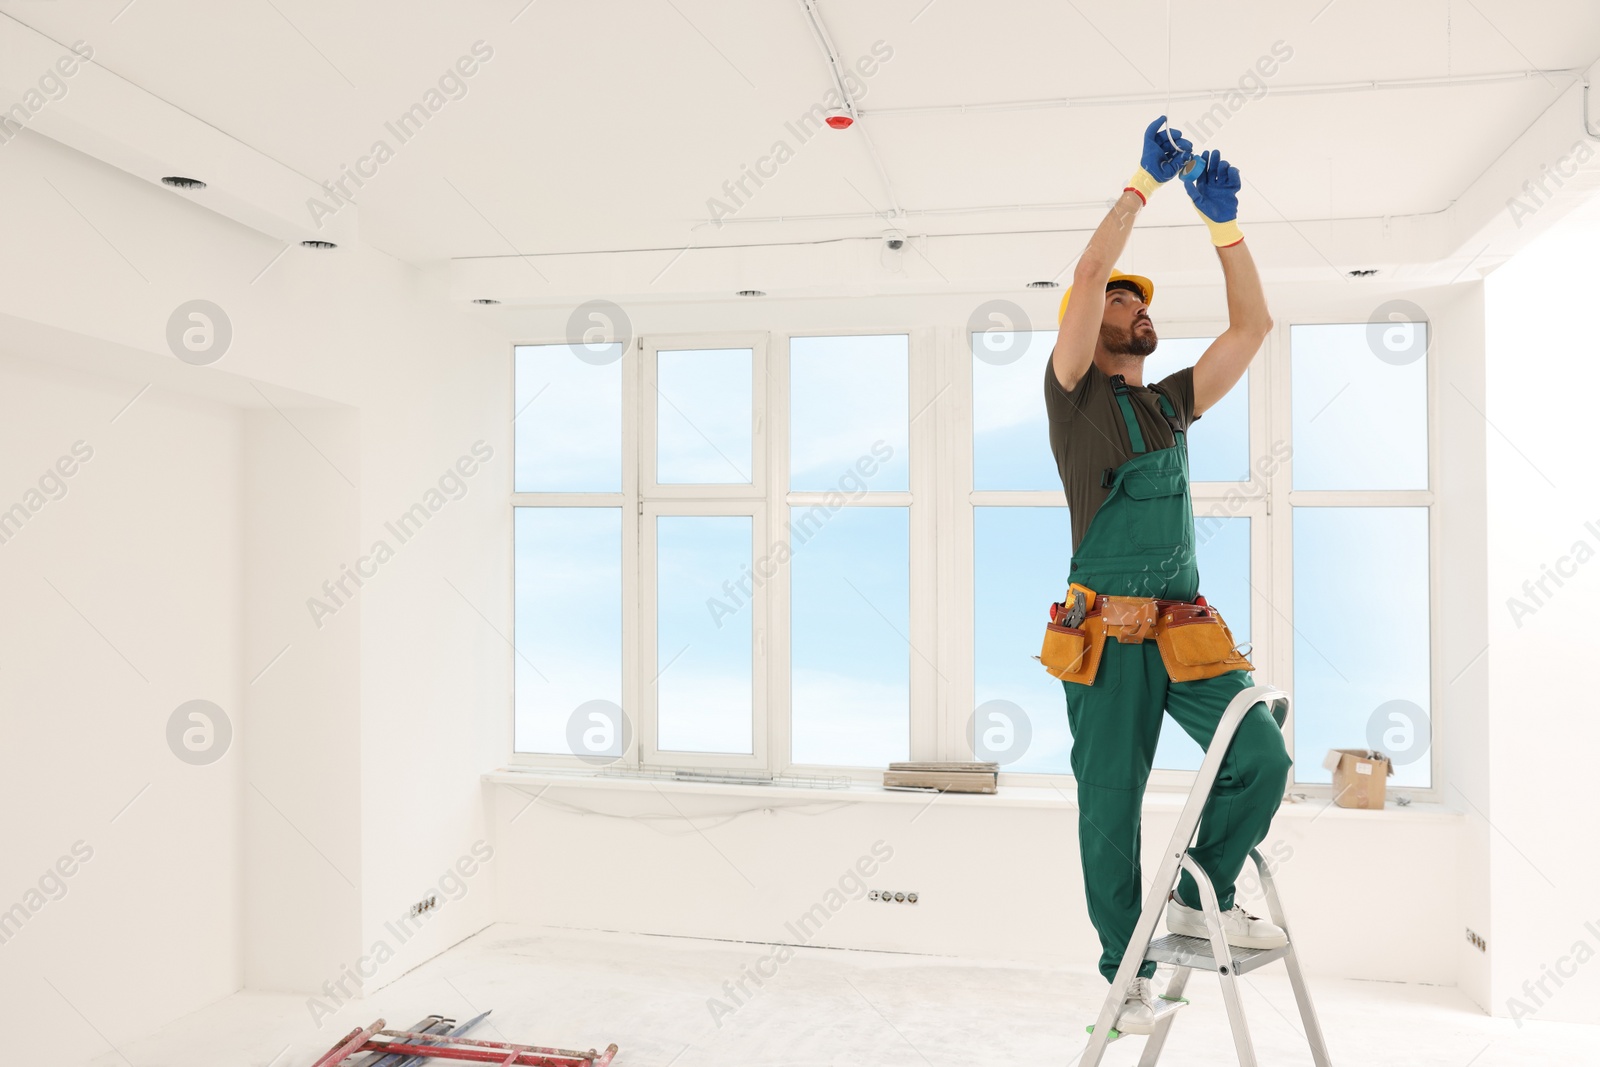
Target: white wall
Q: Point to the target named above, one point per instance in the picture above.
(303, 862)
(1544, 512)
(997, 877)
(122, 601)
(371, 731)
(1461, 710)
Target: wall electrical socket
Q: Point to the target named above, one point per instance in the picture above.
(427, 903)
(891, 896)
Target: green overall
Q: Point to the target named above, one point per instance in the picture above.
(1141, 543)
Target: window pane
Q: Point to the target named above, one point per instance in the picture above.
(703, 654)
(851, 620)
(567, 619)
(703, 416)
(1352, 677)
(568, 428)
(1219, 443)
(1020, 562)
(1222, 548)
(1360, 404)
(849, 406)
(1010, 433)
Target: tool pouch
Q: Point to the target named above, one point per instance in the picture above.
(1130, 619)
(1073, 654)
(1195, 643)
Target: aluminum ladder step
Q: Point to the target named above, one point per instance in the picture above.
(1195, 952)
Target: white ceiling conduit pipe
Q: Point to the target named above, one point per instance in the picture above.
(1588, 128)
(830, 55)
(1572, 74)
(1319, 89)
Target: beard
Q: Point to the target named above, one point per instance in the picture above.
(1129, 342)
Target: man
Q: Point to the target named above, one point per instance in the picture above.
(1120, 447)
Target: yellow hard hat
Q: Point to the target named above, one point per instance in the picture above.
(1146, 286)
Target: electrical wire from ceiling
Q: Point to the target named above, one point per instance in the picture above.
(695, 825)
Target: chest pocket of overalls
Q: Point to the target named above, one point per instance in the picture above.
(1156, 501)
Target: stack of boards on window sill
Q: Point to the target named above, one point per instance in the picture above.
(942, 777)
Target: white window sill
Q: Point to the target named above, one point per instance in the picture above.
(1007, 797)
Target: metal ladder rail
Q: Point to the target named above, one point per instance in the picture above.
(1222, 956)
(1182, 837)
(1291, 963)
(1229, 969)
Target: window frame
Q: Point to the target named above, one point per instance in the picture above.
(1290, 498)
(921, 414)
(625, 500)
(648, 750)
(649, 349)
(941, 502)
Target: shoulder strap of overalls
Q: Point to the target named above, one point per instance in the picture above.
(1135, 435)
(1172, 417)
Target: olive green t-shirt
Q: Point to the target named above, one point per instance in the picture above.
(1087, 433)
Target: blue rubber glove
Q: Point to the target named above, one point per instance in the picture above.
(1213, 184)
(1165, 153)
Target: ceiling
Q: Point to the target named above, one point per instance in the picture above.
(611, 125)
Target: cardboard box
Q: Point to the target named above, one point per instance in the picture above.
(1359, 777)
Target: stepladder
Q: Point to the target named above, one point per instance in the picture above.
(1211, 953)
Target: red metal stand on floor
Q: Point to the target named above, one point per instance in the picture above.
(431, 1046)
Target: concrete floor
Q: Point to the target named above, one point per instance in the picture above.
(574, 989)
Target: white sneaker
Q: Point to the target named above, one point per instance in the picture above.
(1239, 927)
(1138, 1009)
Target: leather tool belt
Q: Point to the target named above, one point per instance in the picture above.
(1192, 638)
(1132, 619)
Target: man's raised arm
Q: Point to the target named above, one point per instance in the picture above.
(1214, 188)
(1165, 153)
